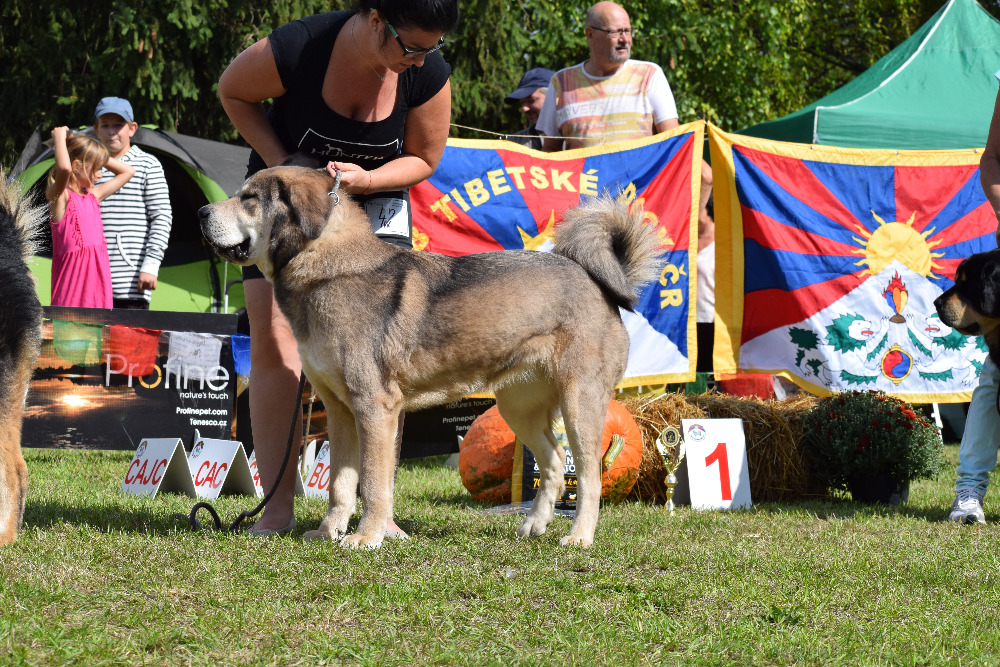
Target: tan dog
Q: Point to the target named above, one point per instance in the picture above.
(972, 305)
(382, 330)
(20, 338)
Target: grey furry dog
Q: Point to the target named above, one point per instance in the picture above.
(382, 330)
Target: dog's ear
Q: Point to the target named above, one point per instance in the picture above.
(298, 216)
(990, 275)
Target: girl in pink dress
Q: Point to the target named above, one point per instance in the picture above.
(81, 273)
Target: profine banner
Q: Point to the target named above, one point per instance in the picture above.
(106, 379)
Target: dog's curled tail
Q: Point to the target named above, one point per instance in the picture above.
(23, 219)
(613, 244)
(21, 223)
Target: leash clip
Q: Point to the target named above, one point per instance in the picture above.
(336, 186)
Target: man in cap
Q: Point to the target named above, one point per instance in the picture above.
(529, 96)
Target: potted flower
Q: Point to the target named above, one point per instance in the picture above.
(870, 444)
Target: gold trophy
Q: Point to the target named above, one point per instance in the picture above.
(671, 448)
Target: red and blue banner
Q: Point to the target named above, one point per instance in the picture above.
(497, 195)
(828, 261)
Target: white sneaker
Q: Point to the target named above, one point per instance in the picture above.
(967, 507)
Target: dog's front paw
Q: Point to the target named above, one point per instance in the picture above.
(571, 541)
(321, 533)
(361, 541)
(532, 527)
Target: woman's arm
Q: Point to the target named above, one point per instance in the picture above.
(424, 138)
(122, 173)
(250, 79)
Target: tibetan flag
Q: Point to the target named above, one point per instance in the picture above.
(497, 195)
(828, 261)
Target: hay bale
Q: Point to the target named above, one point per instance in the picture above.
(773, 430)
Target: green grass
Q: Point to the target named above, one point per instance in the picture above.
(101, 578)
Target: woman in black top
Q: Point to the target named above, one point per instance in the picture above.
(366, 91)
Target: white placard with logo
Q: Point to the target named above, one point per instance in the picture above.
(220, 466)
(159, 465)
(716, 454)
(318, 479)
(307, 458)
(255, 475)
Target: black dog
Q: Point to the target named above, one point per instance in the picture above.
(20, 338)
(972, 305)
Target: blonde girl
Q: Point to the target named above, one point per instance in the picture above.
(81, 272)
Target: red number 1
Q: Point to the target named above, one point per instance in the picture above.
(720, 455)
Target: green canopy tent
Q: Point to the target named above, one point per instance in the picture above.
(198, 172)
(936, 90)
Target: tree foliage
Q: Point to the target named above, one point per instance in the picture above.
(733, 62)
(164, 55)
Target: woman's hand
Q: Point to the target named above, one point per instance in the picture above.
(353, 179)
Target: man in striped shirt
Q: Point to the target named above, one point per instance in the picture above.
(608, 97)
(137, 218)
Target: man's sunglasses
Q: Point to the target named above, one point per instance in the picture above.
(413, 53)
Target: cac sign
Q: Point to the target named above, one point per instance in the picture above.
(159, 465)
(219, 466)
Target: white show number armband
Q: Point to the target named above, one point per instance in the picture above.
(390, 216)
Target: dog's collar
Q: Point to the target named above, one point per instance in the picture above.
(336, 186)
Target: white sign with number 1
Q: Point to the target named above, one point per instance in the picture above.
(716, 454)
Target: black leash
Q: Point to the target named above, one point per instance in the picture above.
(192, 518)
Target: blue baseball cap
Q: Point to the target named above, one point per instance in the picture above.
(532, 80)
(116, 105)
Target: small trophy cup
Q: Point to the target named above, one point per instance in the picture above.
(671, 448)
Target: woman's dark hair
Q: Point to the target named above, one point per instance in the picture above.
(429, 15)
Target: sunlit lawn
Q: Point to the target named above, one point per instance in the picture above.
(99, 577)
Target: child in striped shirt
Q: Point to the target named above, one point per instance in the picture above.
(137, 219)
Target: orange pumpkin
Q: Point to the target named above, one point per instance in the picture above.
(486, 457)
(621, 453)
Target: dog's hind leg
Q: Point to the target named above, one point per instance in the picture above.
(344, 465)
(584, 410)
(377, 421)
(529, 410)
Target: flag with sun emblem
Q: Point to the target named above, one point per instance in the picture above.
(828, 262)
(497, 195)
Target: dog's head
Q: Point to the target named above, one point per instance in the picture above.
(273, 216)
(972, 305)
